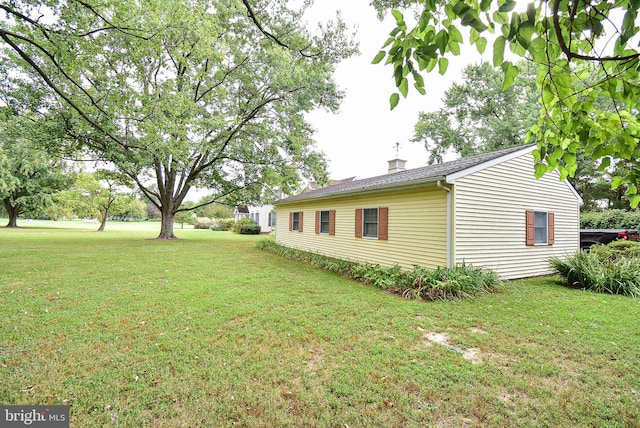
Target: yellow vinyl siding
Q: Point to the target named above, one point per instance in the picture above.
(490, 224)
(417, 228)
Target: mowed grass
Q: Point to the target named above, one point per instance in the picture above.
(210, 331)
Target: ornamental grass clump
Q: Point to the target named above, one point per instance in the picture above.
(614, 270)
(461, 281)
(420, 283)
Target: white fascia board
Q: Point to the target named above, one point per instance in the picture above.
(451, 178)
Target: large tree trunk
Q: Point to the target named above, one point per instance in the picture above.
(13, 213)
(169, 197)
(166, 228)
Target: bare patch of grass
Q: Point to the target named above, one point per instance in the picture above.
(473, 355)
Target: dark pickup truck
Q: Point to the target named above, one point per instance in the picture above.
(589, 237)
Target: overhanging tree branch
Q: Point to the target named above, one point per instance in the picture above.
(567, 49)
(56, 89)
(279, 42)
(110, 26)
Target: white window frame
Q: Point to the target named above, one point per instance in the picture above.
(364, 223)
(537, 227)
(326, 222)
(295, 222)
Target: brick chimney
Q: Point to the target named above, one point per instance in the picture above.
(396, 165)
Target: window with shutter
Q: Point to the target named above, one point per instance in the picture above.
(295, 220)
(372, 223)
(325, 222)
(540, 228)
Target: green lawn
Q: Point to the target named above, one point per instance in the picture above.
(210, 331)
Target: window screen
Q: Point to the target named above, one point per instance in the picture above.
(370, 222)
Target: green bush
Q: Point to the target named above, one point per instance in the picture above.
(246, 226)
(223, 224)
(249, 229)
(241, 225)
(420, 283)
(616, 250)
(609, 270)
(610, 219)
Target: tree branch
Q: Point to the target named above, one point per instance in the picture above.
(110, 25)
(4, 35)
(255, 20)
(567, 50)
(224, 77)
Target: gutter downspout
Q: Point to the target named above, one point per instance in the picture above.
(449, 223)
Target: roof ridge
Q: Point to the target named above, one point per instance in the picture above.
(408, 176)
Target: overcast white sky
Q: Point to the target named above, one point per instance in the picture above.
(360, 139)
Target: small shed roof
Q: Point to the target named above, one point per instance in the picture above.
(443, 171)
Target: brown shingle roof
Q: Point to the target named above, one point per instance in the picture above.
(402, 178)
(316, 186)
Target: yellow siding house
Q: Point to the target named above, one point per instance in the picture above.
(487, 210)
